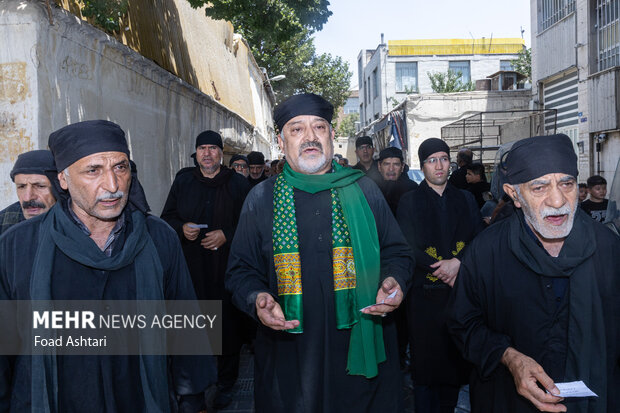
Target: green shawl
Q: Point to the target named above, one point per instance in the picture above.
(356, 275)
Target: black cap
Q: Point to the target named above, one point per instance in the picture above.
(363, 140)
(209, 137)
(238, 158)
(391, 152)
(78, 140)
(431, 146)
(256, 158)
(302, 104)
(33, 162)
(532, 158)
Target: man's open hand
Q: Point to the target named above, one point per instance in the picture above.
(270, 313)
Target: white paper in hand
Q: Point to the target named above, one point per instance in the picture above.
(574, 389)
(382, 301)
(198, 225)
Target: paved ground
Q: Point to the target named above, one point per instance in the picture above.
(243, 399)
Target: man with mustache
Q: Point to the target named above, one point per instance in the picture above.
(203, 207)
(256, 161)
(364, 149)
(317, 260)
(439, 221)
(394, 182)
(34, 174)
(96, 244)
(537, 299)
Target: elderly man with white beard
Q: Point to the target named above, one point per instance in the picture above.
(537, 299)
(317, 259)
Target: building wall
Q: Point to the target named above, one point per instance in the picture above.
(373, 103)
(52, 75)
(428, 113)
(560, 41)
(571, 45)
(430, 56)
(481, 66)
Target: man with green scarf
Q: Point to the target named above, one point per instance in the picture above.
(97, 243)
(319, 261)
(537, 299)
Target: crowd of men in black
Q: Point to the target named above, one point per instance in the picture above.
(443, 337)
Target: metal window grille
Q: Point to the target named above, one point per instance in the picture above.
(607, 35)
(552, 11)
(406, 76)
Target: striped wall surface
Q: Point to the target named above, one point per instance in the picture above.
(561, 94)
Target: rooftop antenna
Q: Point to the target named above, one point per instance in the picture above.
(473, 42)
(490, 41)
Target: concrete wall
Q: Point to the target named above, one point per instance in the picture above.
(57, 74)
(571, 43)
(560, 41)
(428, 113)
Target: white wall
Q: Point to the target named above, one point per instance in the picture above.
(428, 113)
(74, 72)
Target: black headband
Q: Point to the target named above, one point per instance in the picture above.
(34, 162)
(303, 104)
(78, 140)
(431, 146)
(209, 137)
(534, 157)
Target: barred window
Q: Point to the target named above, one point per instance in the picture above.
(552, 11)
(608, 40)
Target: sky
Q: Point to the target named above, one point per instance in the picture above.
(358, 24)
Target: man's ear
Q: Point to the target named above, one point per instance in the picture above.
(63, 180)
(281, 142)
(512, 193)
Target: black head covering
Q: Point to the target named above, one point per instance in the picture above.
(391, 152)
(137, 197)
(534, 157)
(430, 146)
(78, 140)
(303, 104)
(256, 158)
(363, 140)
(238, 158)
(34, 162)
(39, 162)
(209, 137)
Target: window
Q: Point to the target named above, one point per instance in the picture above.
(407, 77)
(506, 65)
(462, 67)
(375, 79)
(607, 36)
(365, 92)
(368, 89)
(552, 11)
